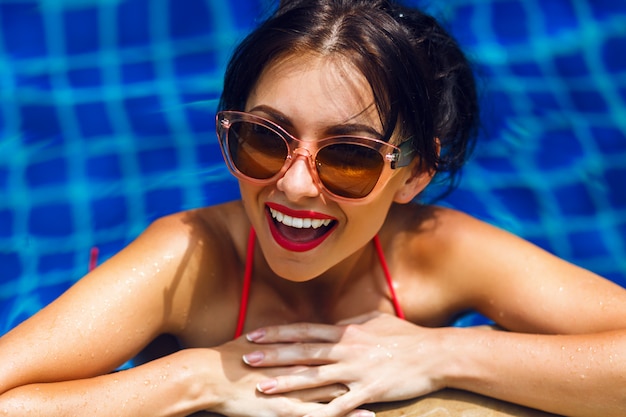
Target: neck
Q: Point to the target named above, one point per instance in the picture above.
(322, 293)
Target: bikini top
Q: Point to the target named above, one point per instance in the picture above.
(247, 279)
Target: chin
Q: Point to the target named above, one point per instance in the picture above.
(294, 271)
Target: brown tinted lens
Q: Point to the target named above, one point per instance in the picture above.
(349, 170)
(256, 151)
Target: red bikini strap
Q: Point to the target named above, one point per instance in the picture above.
(247, 278)
(394, 299)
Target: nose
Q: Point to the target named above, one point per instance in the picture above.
(298, 181)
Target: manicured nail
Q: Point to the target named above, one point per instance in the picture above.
(363, 413)
(267, 385)
(255, 335)
(253, 358)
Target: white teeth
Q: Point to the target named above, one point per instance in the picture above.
(297, 222)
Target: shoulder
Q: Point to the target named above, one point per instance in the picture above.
(213, 225)
(442, 227)
(423, 247)
(470, 264)
(460, 247)
(200, 242)
(433, 228)
(183, 254)
(452, 253)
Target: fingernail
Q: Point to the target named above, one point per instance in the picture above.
(255, 335)
(253, 358)
(363, 413)
(267, 385)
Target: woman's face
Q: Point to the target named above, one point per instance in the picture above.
(312, 98)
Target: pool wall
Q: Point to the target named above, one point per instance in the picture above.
(107, 122)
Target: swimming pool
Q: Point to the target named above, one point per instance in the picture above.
(106, 114)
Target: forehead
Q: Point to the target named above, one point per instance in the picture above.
(314, 87)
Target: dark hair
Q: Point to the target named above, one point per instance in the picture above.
(422, 82)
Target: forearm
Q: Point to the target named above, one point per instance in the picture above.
(164, 387)
(570, 375)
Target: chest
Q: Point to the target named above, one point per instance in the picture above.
(214, 319)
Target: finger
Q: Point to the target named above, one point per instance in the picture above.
(313, 377)
(294, 354)
(297, 332)
(319, 394)
(344, 405)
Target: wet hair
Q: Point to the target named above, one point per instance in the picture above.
(423, 85)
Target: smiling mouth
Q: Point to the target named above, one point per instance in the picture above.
(298, 233)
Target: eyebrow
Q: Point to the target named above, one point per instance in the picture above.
(350, 129)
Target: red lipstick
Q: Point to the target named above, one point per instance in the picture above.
(298, 239)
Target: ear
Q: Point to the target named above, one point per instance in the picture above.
(416, 181)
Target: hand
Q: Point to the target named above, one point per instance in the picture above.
(235, 387)
(377, 356)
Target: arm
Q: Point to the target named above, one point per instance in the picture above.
(381, 358)
(164, 387)
(574, 368)
(567, 327)
(59, 362)
(62, 355)
(573, 375)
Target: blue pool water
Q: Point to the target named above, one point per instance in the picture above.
(106, 122)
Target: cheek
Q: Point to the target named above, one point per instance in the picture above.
(365, 222)
(250, 198)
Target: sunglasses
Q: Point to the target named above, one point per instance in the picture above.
(345, 167)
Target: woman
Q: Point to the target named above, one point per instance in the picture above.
(335, 116)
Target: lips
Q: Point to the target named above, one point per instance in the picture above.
(296, 230)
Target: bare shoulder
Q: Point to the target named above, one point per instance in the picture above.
(430, 248)
(200, 232)
(203, 244)
(482, 267)
(146, 289)
(446, 235)
(211, 246)
(433, 230)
